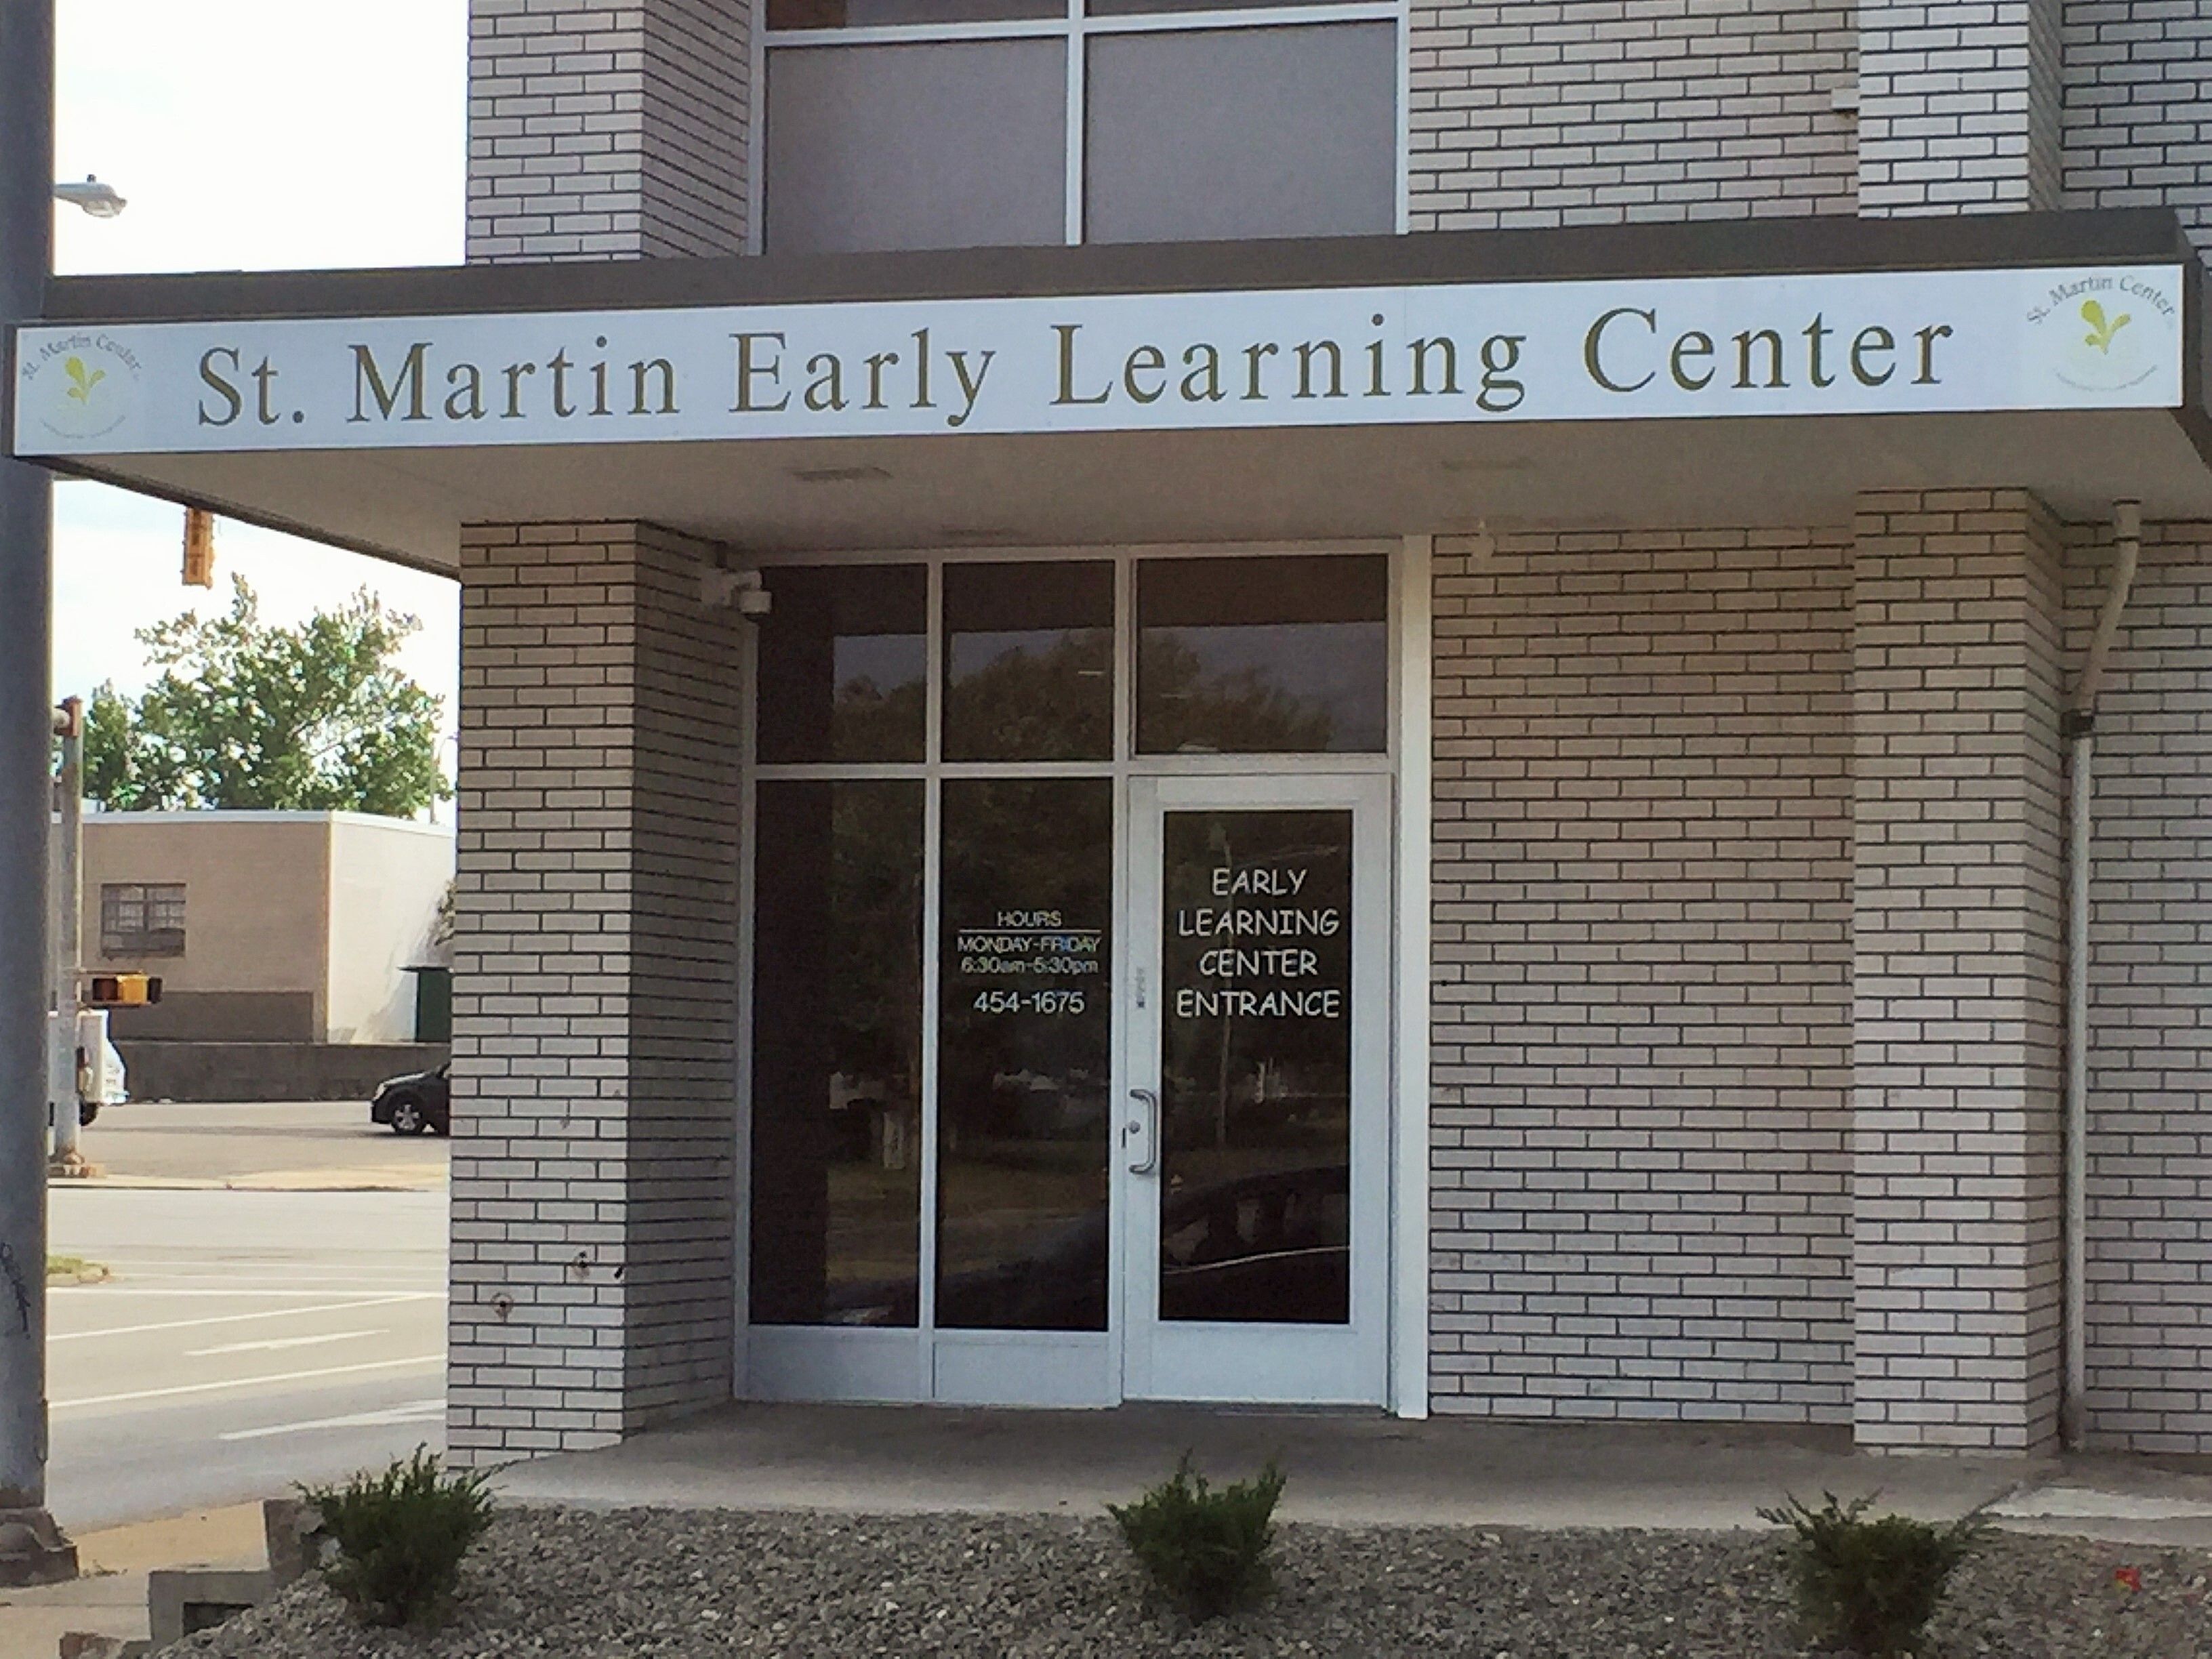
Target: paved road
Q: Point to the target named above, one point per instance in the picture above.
(260, 1142)
(249, 1338)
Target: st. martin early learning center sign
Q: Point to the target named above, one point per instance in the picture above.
(1869, 342)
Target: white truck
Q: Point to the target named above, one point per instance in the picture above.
(100, 1076)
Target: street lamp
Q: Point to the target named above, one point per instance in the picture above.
(33, 1550)
(98, 200)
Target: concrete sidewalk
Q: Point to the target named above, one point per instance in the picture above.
(108, 1597)
(1344, 1468)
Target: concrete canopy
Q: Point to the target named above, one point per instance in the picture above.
(1248, 484)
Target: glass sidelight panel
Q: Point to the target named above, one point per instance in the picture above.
(1255, 1066)
(1024, 1055)
(836, 1153)
(1263, 656)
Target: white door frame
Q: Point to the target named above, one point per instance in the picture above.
(830, 1362)
(1277, 1364)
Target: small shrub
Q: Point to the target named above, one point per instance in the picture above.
(1872, 1586)
(400, 1537)
(1206, 1550)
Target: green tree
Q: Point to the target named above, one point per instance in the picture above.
(251, 715)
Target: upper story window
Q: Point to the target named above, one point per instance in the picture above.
(142, 919)
(915, 124)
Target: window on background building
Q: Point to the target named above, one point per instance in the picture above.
(916, 123)
(142, 919)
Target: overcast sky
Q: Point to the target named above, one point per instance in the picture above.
(248, 135)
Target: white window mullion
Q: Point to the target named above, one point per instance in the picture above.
(1078, 74)
(933, 875)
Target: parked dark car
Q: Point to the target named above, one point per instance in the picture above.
(415, 1103)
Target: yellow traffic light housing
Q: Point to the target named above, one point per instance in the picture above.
(200, 548)
(122, 990)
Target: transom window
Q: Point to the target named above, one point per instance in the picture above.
(142, 919)
(917, 124)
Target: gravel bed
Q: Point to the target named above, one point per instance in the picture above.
(552, 1583)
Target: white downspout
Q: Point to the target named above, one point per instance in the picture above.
(2080, 728)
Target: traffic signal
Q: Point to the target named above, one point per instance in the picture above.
(122, 990)
(200, 548)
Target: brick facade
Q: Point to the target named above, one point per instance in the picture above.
(1957, 952)
(2150, 998)
(2138, 81)
(1640, 1197)
(594, 1129)
(1523, 113)
(608, 129)
(1959, 106)
(1748, 934)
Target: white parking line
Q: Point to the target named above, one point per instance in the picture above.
(232, 1318)
(418, 1410)
(427, 1359)
(272, 1344)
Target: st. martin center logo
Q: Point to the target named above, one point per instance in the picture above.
(79, 387)
(2107, 332)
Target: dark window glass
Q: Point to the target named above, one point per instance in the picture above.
(1262, 656)
(837, 1155)
(876, 14)
(1149, 8)
(1255, 1066)
(935, 144)
(843, 656)
(1024, 1054)
(1029, 662)
(140, 919)
(1209, 134)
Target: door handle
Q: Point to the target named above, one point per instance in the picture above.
(1145, 1122)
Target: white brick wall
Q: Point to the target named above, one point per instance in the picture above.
(1958, 105)
(594, 994)
(1531, 114)
(2150, 1011)
(1957, 948)
(607, 129)
(1642, 976)
(2138, 97)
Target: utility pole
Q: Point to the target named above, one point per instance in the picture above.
(32, 1548)
(68, 915)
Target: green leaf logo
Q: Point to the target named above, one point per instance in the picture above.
(82, 381)
(2101, 331)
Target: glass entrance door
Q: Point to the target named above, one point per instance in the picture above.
(1253, 1140)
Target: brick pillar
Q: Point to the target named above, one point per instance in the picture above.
(594, 990)
(1957, 941)
(1959, 106)
(608, 129)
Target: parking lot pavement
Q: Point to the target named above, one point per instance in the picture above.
(247, 1340)
(286, 1145)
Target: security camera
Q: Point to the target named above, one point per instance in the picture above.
(741, 590)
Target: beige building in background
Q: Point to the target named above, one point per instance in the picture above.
(266, 926)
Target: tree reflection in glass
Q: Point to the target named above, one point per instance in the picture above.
(836, 1153)
(843, 655)
(1028, 661)
(1263, 655)
(1024, 1053)
(1255, 1066)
